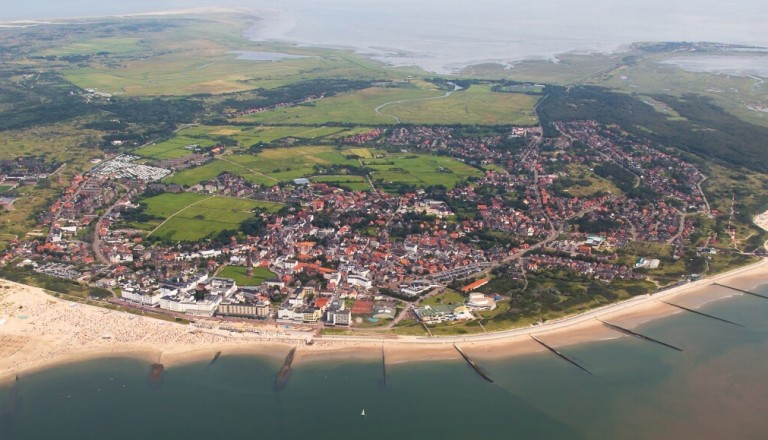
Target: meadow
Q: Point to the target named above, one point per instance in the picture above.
(191, 217)
(352, 108)
(350, 182)
(476, 105)
(421, 170)
(415, 103)
(196, 55)
(112, 45)
(208, 136)
(276, 165)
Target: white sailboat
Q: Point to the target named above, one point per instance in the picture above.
(363, 413)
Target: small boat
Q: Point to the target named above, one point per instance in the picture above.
(363, 413)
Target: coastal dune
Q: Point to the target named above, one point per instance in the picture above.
(39, 331)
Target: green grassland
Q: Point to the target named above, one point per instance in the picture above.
(113, 45)
(351, 182)
(165, 205)
(4, 188)
(421, 170)
(173, 148)
(194, 55)
(476, 105)
(208, 218)
(207, 136)
(267, 167)
(238, 273)
(354, 108)
(190, 216)
(448, 297)
(285, 164)
(416, 103)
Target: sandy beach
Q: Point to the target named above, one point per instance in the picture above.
(38, 331)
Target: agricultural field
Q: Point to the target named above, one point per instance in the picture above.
(238, 273)
(190, 217)
(475, 105)
(351, 182)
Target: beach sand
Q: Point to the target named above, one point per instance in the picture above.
(39, 331)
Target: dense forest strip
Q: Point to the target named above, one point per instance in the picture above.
(707, 131)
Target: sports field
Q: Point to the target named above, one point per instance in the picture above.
(190, 217)
(238, 273)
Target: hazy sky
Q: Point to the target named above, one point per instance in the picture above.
(442, 32)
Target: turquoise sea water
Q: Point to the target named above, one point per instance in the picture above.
(716, 388)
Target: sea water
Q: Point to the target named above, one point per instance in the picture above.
(443, 35)
(714, 389)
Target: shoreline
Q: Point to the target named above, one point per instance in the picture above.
(72, 332)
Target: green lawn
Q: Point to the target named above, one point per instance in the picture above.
(192, 217)
(165, 205)
(447, 297)
(237, 273)
(4, 188)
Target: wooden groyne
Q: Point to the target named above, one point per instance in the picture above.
(156, 372)
(701, 313)
(285, 371)
(741, 290)
(637, 335)
(473, 364)
(561, 355)
(383, 367)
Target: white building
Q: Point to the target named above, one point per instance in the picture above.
(478, 301)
